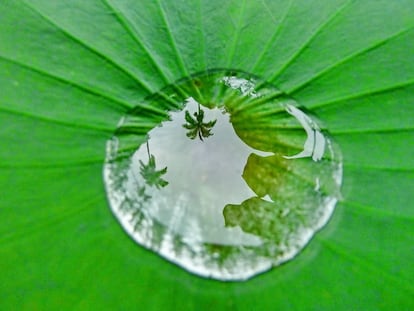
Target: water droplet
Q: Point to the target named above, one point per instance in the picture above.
(222, 174)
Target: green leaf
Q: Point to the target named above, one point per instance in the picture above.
(70, 69)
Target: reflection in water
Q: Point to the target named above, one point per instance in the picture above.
(204, 176)
(315, 142)
(245, 86)
(196, 126)
(287, 206)
(210, 187)
(151, 175)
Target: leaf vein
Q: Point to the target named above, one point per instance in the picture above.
(345, 98)
(273, 38)
(312, 37)
(235, 41)
(368, 266)
(172, 39)
(88, 89)
(56, 121)
(350, 57)
(88, 47)
(135, 35)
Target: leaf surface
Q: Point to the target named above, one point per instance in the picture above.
(70, 69)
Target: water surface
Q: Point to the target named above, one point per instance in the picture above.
(227, 177)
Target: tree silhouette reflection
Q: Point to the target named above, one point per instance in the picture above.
(196, 126)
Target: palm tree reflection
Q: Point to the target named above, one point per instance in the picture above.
(151, 175)
(196, 126)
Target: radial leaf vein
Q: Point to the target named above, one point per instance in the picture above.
(372, 131)
(49, 165)
(343, 99)
(379, 168)
(235, 41)
(89, 48)
(312, 37)
(59, 122)
(350, 57)
(42, 225)
(368, 266)
(135, 35)
(274, 37)
(172, 39)
(203, 39)
(88, 89)
(370, 211)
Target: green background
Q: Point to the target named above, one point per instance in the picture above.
(70, 69)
